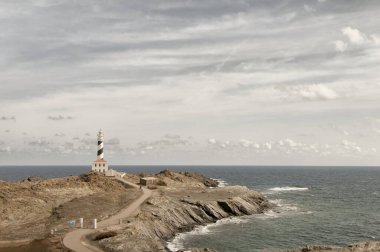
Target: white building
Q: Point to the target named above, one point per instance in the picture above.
(100, 165)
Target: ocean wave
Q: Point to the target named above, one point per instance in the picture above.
(288, 188)
(177, 243)
(221, 182)
(281, 208)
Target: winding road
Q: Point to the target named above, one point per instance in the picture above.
(75, 240)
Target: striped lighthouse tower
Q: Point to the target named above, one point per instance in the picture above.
(100, 165)
(100, 145)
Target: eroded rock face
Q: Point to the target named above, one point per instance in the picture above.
(370, 246)
(171, 211)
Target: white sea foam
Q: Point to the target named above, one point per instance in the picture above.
(288, 188)
(271, 214)
(177, 242)
(221, 182)
(281, 209)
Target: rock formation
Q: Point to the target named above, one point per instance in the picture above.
(370, 246)
(184, 203)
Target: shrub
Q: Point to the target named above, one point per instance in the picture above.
(105, 235)
(161, 183)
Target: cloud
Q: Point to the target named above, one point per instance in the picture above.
(212, 141)
(5, 149)
(39, 143)
(375, 39)
(173, 51)
(60, 118)
(8, 118)
(312, 92)
(246, 143)
(169, 142)
(340, 46)
(308, 8)
(354, 35)
(356, 38)
(289, 147)
(112, 141)
(59, 134)
(351, 146)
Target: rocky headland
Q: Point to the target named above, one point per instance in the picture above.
(31, 208)
(181, 202)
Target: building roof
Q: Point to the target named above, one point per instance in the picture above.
(100, 161)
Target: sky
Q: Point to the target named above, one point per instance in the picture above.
(207, 82)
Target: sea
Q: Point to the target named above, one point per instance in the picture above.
(314, 205)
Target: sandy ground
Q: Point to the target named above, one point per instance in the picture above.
(76, 239)
(30, 209)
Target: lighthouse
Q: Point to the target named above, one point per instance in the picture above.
(100, 165)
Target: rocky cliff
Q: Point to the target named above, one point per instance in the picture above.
(182, 204)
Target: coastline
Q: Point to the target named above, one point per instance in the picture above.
(183, 204)
(183, 201)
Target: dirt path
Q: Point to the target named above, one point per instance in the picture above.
(75, 240)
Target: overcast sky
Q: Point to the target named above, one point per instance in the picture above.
(248, 82)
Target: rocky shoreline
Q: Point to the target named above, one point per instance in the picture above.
(185, 202)
(371, 246)
(180, 202)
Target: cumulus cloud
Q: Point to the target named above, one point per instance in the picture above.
(375, 39)
(356, 38)
(212, 141)
(60, 118)
(39, 142)
(169, 142)
(354, 35)
(112, 141)
(289, 147)
(312, 92)
(5, 149)
(340, 46)
(308, 8)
